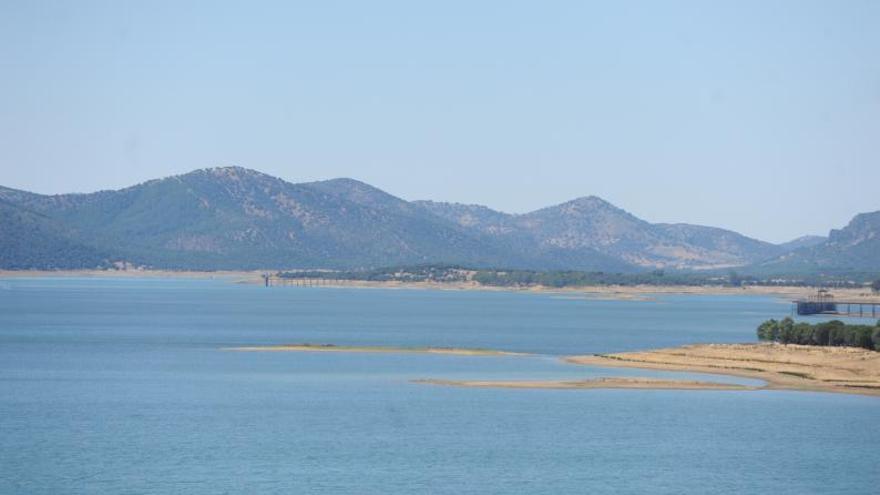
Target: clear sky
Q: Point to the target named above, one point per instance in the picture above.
(762, 117)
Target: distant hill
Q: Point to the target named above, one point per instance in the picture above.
(236, 218)
(29, 240)
(802, 242)
(852, 249)
(591, 226)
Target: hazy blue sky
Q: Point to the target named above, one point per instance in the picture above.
(763, 117)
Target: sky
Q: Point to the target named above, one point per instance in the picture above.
(758, 116)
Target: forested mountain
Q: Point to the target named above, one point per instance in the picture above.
(32, 240)
(236, 218)
(590, 225)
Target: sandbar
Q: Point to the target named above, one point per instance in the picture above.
(374, 349)
(594, 383)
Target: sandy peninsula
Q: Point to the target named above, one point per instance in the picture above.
(781, 367)
(373, 349)
(784, 367)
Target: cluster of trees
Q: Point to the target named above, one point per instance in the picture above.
(831, 333)
(416, 273)
(506, 278)
(570, 278)
(500, 277)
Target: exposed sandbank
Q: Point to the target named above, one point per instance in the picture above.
(783, 367)
(373, 349)
(594, 383)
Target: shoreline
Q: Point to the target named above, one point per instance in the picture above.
(781, 366)
(844, 370)
(603, 292)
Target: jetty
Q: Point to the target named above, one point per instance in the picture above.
(824, 303)
(276, 281)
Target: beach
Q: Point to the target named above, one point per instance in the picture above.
(784, 367)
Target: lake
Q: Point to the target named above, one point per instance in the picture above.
(115, 386)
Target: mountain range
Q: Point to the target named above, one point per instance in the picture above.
(236, 218)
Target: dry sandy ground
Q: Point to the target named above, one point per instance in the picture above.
(791, 367)
(398, 350)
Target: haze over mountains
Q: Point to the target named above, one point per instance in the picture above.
(235, 218)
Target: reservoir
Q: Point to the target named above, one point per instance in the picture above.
(114, 386)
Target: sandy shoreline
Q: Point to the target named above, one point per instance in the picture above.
(607, 292)
(784, 367)
(781, 367)
(372, 349)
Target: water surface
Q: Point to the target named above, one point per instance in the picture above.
(113, 386)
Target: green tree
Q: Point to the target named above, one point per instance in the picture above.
(864, 337)
(822, 335)
(764, 331)
(837, 331)
(786, 332)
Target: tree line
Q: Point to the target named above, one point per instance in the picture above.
(828, 333)
(502, 277)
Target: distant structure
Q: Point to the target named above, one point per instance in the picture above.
(823, 303)
(276, 281)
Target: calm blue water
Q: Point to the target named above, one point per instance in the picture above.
(119, 386)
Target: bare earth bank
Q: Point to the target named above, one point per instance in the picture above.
(789, 367)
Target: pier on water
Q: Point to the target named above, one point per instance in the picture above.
(824, 303)
(276, 281)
